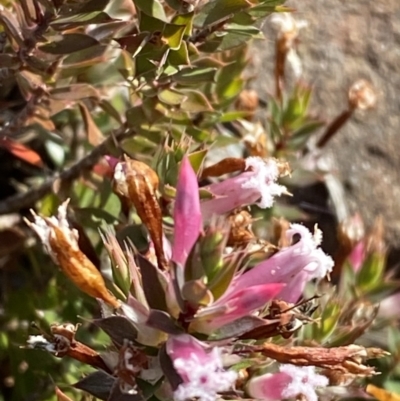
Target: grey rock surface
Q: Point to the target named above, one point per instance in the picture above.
(346, 41)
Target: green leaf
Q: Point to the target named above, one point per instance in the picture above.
(75, 92)
(329, 319)
(195, 102)
(228, 41)
(69, 43)
(196, 159)
(195, 75)
(153, 8)
(265, 8)
(83, 19)
(173, 34)
(232, 116)
(186, 20)
(171, 97)
(300, 137)
(178, 58)
(84, 58)
(218, 10)
(150, 24)
(371, 273)
(224, 276)
(93, 5)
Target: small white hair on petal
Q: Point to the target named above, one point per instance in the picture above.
(265, 175)
(322, 264)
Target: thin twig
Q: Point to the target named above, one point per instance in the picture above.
(26, 199)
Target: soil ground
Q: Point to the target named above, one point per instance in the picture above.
(346, 41)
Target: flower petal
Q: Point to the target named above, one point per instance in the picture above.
(187, 214)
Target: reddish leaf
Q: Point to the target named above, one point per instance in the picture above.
(21, 151)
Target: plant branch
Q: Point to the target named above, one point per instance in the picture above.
(26, 199)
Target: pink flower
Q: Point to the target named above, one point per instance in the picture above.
(202, 372)
(237, 304)
(187, 214)
(290, 382)
(294, 266)
(257, 184)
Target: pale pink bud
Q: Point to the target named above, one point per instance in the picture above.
(257, 184)
(357, 256)
(294, 265)
(291, 382)
(202, 372)
(187, 214)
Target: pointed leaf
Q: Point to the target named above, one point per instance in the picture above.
(238, 327)
(152, 8)
(168, 368)
(81, 19)
(219, 9)
(162, 321)
(154, 291)
(118, 328)
(95, 136)
(173, 35)
(69, 43)
(98, 384)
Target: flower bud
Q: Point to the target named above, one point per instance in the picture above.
(362, 95)
(61, 242)
(138, 183)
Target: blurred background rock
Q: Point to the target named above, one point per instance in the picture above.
(344, 42)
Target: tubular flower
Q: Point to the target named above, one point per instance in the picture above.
(187, 214)
(61, 243)
(202, 372)
(294, 265)
(235, 305)
(257, 184)
(290, 382)
(288, 31)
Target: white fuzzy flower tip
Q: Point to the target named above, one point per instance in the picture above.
(203, 379)
(304, 381)
(285, 23)
(44, 227)
(320, 263)
(263, 178)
